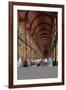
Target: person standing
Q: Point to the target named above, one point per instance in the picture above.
(50, 61)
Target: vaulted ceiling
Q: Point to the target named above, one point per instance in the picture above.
(40, 25)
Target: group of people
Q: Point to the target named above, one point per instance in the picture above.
(37, 62)
(48, 61)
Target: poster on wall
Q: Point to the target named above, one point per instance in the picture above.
(36, 44)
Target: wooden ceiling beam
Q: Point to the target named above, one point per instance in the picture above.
(42, 25)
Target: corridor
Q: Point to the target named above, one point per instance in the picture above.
(37, 45)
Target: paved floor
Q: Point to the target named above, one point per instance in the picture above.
(37, 72)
